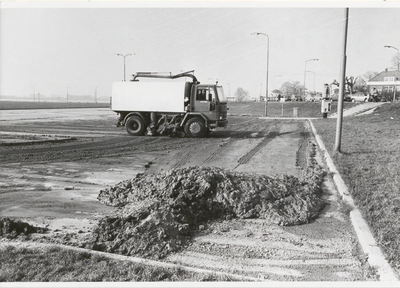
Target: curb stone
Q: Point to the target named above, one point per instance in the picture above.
(364, 235)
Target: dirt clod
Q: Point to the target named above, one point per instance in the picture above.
(159, 213)
(12, 229)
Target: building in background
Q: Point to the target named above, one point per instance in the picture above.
(387, 85)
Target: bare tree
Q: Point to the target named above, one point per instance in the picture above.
(396, 61)
(369, 75)
(350, 82)
(241, 94)
(360, 85)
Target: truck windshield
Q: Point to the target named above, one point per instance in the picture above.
(221, 95)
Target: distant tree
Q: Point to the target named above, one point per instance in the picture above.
(291, 88)
(241, 94)
(396, 61)
(360, 85)
(350, 82)
(369, 75)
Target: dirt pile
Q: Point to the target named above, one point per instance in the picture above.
(12, 229)
(160, 212)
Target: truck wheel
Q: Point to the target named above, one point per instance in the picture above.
(135, 126)
(195, 128)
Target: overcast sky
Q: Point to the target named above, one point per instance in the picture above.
(48, 49)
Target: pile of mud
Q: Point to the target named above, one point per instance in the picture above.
(160, 212)
(12, 229)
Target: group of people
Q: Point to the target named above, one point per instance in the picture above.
(374, 95)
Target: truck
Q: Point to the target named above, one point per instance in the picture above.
(169, 106)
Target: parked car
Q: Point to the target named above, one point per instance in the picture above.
(347, 98)
(360, 97)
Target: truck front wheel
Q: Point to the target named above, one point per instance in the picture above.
(195, 128)
(135, 126)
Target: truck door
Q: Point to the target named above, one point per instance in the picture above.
(203, 99)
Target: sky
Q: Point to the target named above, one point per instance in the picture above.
(54, 50)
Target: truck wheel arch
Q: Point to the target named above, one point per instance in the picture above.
(143, 116)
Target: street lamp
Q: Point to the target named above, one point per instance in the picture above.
(95, 94)
(266, 86)
(398, 64)
(33, 93)
(314, 77)
(305, 69)
(124, 61)
(67, 93)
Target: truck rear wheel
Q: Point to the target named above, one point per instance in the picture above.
(195, 128)
(135, 126)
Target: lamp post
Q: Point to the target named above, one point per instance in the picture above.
(339, 126)
(266, 86)
(95, 94)
(305, 70)
(67, 93)
(398, 62)
(124, 61)
(314, 77)
(398, 68)
(33, 93)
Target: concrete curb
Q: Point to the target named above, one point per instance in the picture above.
(364, 235)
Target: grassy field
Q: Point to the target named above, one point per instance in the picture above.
(369, 163)
(54, 264)
(21, 105)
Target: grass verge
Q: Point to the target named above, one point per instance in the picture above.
(55, 264)
(369, 163)
(282, 109)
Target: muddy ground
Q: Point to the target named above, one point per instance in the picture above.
(55, 163)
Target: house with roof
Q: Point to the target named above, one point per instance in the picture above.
(387, 83)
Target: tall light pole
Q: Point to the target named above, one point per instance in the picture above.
(339, 121)
(95, 94)
(67, 93)
(398, 67)
(124, 61)
(398, 62)
(266, 85)
(305, 69)
(33, 93)
(314, 77)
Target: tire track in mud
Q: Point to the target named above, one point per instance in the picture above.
(72, 151)
(246, 158)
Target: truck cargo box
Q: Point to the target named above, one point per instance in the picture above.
(148, 96)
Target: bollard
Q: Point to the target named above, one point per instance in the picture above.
(295, 111)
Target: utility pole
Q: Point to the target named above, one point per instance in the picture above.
(342, 86)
